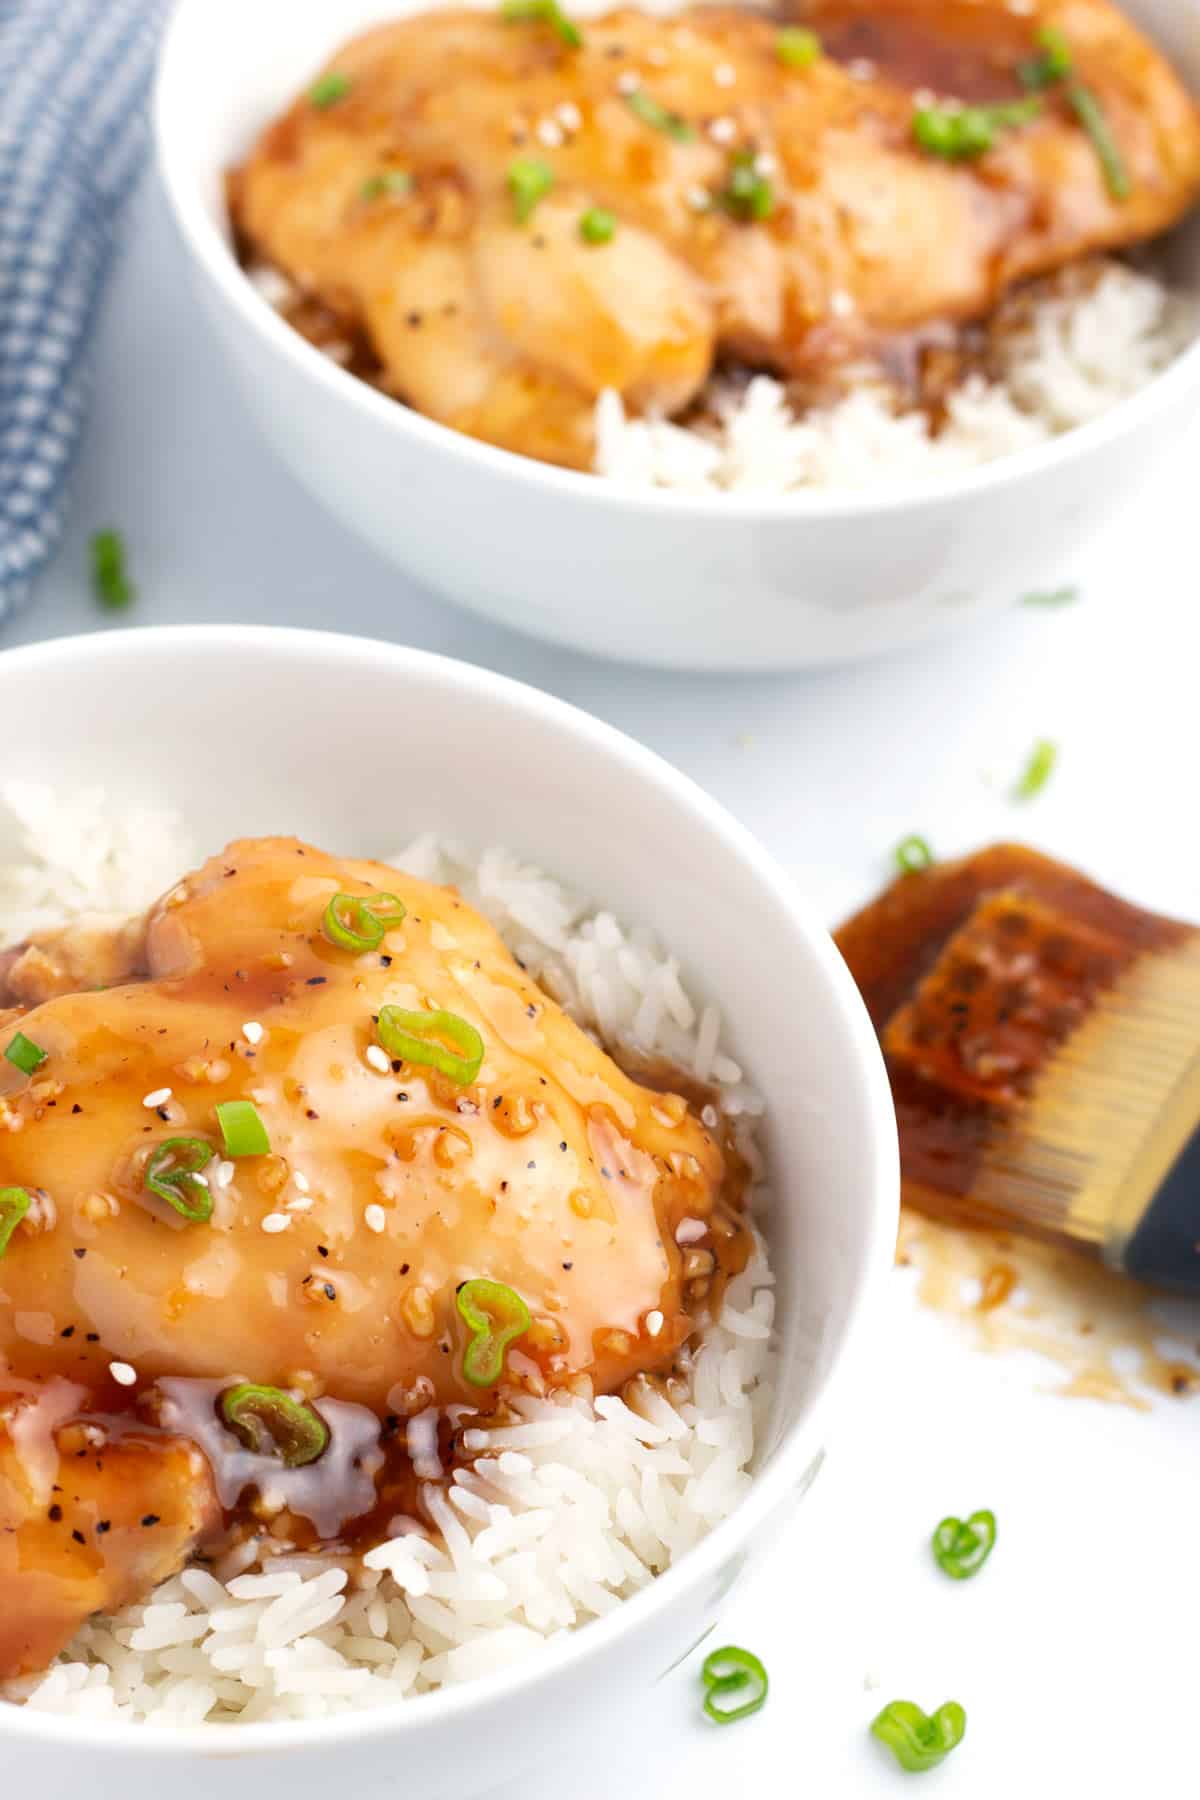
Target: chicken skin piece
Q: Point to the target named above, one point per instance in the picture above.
(332, 1261)
(386, 194)
(88, 1521)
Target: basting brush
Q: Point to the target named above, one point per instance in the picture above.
(1042, 1038)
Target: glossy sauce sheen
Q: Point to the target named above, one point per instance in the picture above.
(553, 1173)
(944, 47)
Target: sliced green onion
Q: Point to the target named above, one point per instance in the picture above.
(913, 853)
(24, 1054)
(1092, 116)
(1062, 596)
(797, 48)
(110, 579)
(271, 1423)
(413, 1037)
(529, 180)
(737, 1684)
(389, 909)
(329, 89)
(1037, 771)
(941, 132)
(597, 225)
(962, 1546)
(358, 922)
(495, 1316)
(916, 1740)
(14, 1204)
(242, 1128)
(392, 181)
(349, 923)
(653, 112)
(1053, 65)
(542, 12)
(958, 133)
(746, 194)
(173, 1173)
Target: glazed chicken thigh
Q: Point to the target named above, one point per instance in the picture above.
(88, 1521)
(410, 1113)
(786, 216)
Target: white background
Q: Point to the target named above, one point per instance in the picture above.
(1075, 1652)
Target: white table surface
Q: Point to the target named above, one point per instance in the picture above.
(1075, 1652)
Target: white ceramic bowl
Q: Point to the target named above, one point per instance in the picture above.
(727, 582)
(355, 745)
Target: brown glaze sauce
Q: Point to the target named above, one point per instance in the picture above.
(1111, 1339)
(947, 48)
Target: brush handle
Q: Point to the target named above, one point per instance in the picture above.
(1165, 1248)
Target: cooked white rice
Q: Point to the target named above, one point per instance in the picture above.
(564, 1513)
(1079, 354)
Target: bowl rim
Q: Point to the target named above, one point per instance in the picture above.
(210, 249)
(801, 1443)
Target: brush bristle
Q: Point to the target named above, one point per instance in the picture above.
(1042, 1037)
(1081, 1160)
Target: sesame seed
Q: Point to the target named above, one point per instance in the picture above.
(628, 82)
(723, 130)
(378, 1059)
(550, 133)
(276, 1222)
(765, 163)
(841, 304)
(375, 1218)
(300, 1180)
(124, 1373)
(724, 74)
(302, 1203)
(252, 1032)
(159, 1097)
(654, 1323)
(569, 116)
(223, 1174)
(690, 1231)
(698, 198)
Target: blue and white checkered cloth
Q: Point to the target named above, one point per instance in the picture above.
(74, 80)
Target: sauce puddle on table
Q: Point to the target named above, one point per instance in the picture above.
(1110, 1339)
